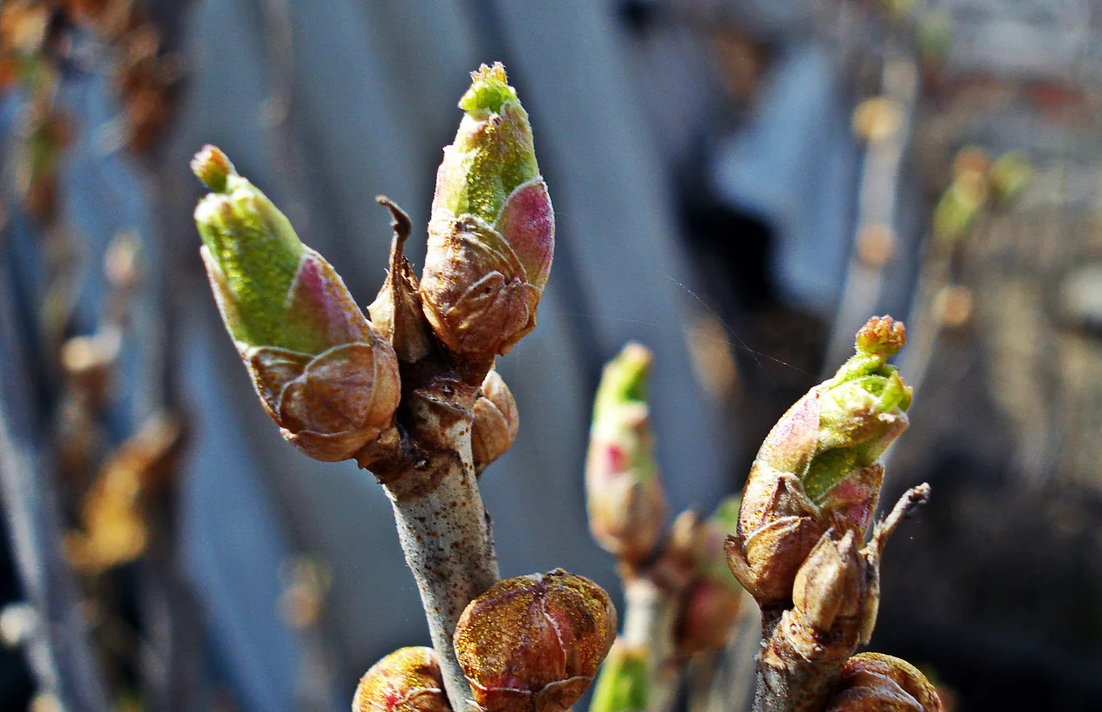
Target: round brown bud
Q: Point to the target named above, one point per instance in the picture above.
(407, 680)
(534, 643)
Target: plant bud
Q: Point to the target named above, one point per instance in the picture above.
(534, 643)
(627, 506)
(819, 464)
(407, 680)
(1009, 175)
(326, 377)
(831, 583)
(496, 421)
(872, 682)
(492, 229)
(624, 683)
(396, 311)
(714, 600)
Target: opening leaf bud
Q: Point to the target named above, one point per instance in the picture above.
(534, 643)
(323, 373)
(872, 682)
(624, 683)
(624, 495)
(820, 461)
(492, 229)
(407, 680)
(496, 421)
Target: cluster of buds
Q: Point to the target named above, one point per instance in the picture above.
(681, 599)
(325, 373)
(799, 545)
(411, 394)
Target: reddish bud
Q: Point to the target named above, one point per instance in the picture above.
(534, 643)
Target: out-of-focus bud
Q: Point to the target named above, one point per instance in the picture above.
(966, 196)
(492, 229)
(407, 680)
(819, 464)
(627, 507)
(496, 421)
(1009, 175)
(534, 643)
(327, 378)
(872, 682)
(624, 683)
(713, 601)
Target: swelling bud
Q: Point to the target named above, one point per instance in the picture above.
(534, 643)
(819, 466)
(492, 229)
(323, 373)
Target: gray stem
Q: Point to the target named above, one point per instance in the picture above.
(442, 525)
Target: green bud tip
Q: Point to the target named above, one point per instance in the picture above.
(489, 91)
(624, 379)
(213, 167)
(881, 337)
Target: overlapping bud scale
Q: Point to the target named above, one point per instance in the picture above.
(534, 643)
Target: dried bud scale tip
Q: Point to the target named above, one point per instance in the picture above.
(323, 373)
(872, 682)
(624, 496)
(407, 680)
(496, 421)
(492, 230)
(534, 643)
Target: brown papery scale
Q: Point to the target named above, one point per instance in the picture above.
(872, 682)
(407, 680)
(496, 421)
(534, 643)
